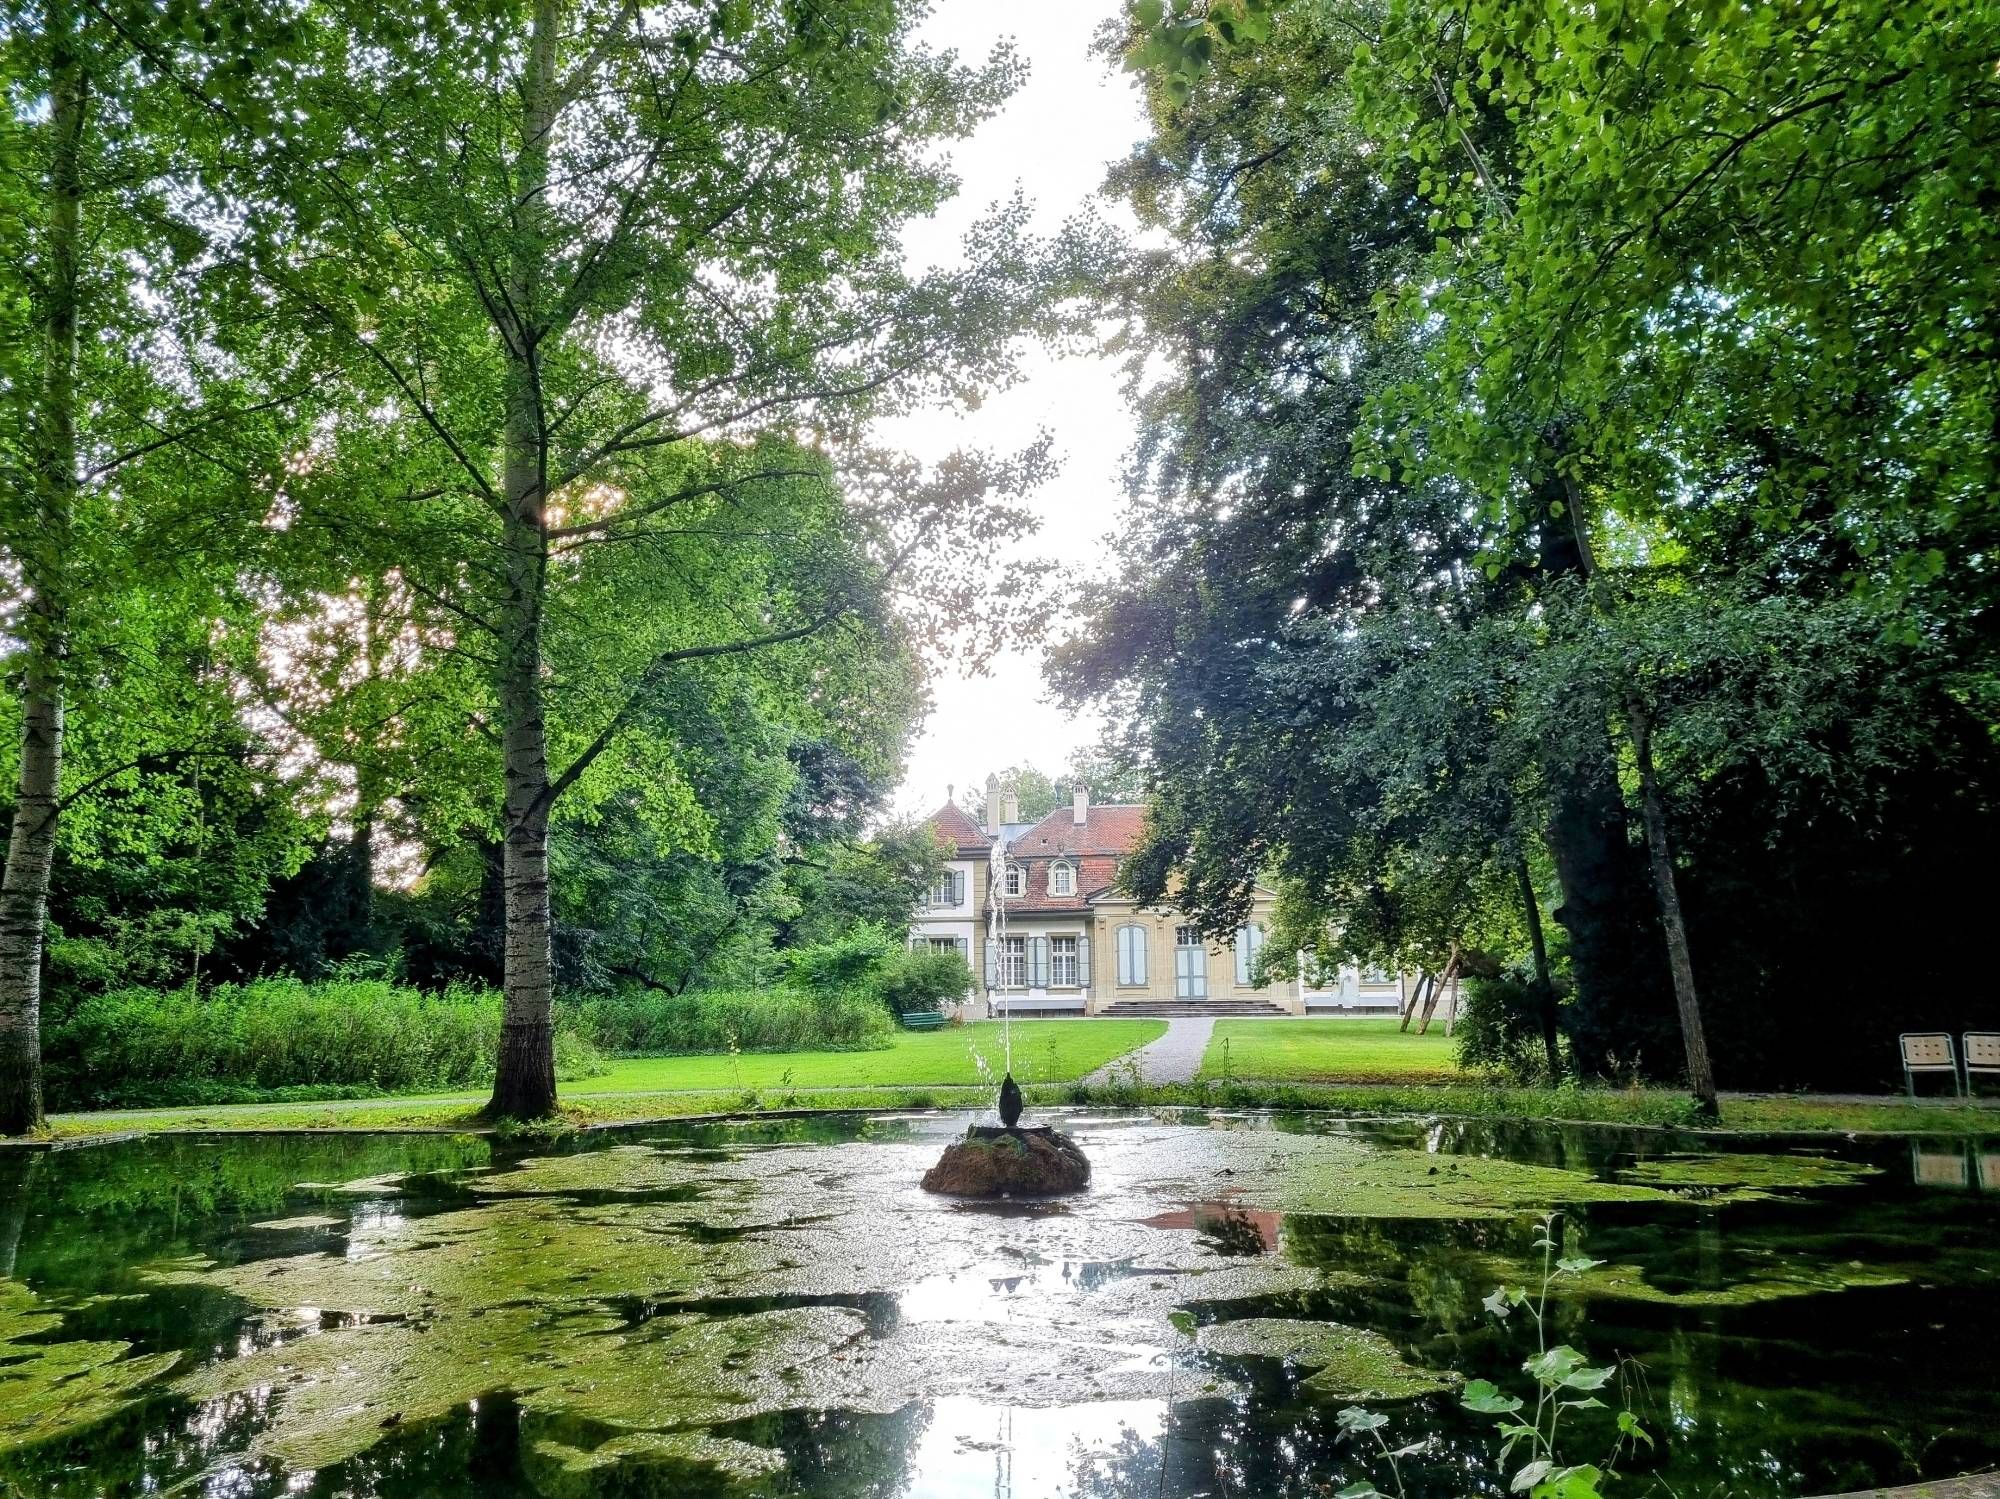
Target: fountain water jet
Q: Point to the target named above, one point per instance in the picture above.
(1012, 1160)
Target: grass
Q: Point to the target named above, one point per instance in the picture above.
(936, 1070)
(1045, 1051)
(1802, 1115)
(1326, 1051)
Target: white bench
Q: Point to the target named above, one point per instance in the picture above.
(1927, 1051)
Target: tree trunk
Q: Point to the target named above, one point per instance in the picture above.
(1614, 936)
(1701, 1079)
(44, 558)
(524, 1084)
(1545, 989)
(1414, 998)
(1449, 976)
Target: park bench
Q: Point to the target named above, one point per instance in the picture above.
(1927, 1051)
(921, 1020)
(1982, 1054)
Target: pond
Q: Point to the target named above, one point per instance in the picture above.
(774, 1307)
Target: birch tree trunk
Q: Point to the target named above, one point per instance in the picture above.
(44, 558)
(524, 1084)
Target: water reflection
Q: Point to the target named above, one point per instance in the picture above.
(1765, 1342)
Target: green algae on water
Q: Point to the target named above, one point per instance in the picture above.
(1747, 1178)
(1351, 1363)
(47, 1388)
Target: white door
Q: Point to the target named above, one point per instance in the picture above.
(1190, 964)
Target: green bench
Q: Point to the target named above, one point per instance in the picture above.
(921, 1020)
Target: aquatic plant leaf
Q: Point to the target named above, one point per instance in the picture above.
(1483, 1396)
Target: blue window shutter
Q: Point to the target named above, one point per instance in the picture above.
(1083, 962)
(1242, 945)
(965, 951)
(1132, 955)
(992, 965)
(1038, 962)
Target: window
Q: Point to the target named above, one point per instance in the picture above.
(1015, 883)
(1375, 978)
(1062, 880)
(953, 945)
(949, 890)
(1062, 962)
(1249, 944)
(1013, 962)
(1131, 955)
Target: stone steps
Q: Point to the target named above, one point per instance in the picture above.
(1192, 1009)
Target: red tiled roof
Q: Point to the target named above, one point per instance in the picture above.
(1108, 834)
(1112, 829)
(953, 826)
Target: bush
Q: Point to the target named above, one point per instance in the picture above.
(279, 1038)
(922, 979)
(1499, 1029)
(714, 1020)
(848, 965)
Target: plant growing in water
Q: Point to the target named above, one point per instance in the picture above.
(1564, 1381)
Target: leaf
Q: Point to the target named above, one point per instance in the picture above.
(1575, 1264)
(1359, 1418)
(1579, 1482)
(1589, 1379)
(1497, 1302)
(1628, 1425)
(1483, 1396)
(1362, 1490)
(1531, 1475)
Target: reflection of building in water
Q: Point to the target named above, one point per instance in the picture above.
(1228, 1227)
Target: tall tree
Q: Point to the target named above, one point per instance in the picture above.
(579, 253)
(138, 431)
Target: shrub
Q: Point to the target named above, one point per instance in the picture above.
(278, 1038)
(1500, 1029)
(714, 1020)
(847, 965)
(921, 979)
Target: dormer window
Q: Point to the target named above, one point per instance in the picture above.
(1016, 884)
(1062, 879)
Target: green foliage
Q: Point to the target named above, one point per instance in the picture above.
(1560, 374)
(848, 964)
(1499, 1026)
(277, 1037)
(922, 979)
(713, 1022)
(1563, 1381)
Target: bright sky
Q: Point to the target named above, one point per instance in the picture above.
(1073, 117)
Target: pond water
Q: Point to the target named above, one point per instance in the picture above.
(776, 1308)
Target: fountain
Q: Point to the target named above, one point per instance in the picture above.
(1009, 1159)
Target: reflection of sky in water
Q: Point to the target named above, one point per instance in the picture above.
(972, 1450)
(1760, 1397)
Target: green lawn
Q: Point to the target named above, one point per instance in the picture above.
(1045, 1051)
(1320, 1051)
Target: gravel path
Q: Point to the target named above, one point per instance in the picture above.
(1174, 1058)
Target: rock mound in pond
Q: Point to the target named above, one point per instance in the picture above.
(1009, 1163)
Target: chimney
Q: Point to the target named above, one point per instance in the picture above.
(1011, 808)
(1079, 804)
(992, 804)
